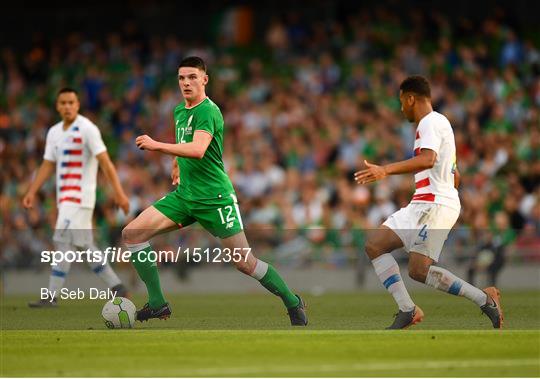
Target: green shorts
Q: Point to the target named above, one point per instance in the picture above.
(220, 217)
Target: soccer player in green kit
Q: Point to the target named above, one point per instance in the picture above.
(204, 194)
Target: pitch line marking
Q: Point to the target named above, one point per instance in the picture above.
(373, 366)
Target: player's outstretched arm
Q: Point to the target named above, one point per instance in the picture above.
(45, 171)
(107, 166)
(424, 160)
(195, 149)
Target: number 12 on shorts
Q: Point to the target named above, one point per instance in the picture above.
(228, 211)
(226, 214)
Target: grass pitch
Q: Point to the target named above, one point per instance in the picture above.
(249, 335)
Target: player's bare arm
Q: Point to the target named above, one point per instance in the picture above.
(45, 171)
(195, 149)
(175, 173)
(457, 178)
(107, 166)
(424, 160)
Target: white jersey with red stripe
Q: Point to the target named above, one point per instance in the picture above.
(74, 150)
(436, 185)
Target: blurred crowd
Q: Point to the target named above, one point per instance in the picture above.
(303, 107)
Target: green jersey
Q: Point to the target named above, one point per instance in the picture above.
(202, 179)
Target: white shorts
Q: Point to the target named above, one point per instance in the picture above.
(74, 226)
(423, 227)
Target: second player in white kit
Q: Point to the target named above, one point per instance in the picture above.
(74, 149)
(422, 227)
(74, 152)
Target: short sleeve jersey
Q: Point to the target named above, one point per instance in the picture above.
(436, 185)
(204, 179)
(74, 151)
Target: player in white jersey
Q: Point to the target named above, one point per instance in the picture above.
(422, 227)
(74, 148)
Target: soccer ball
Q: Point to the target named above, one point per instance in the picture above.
(119, 313)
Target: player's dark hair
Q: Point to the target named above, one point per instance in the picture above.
(416, 84)
(193, 62)
(67, 90)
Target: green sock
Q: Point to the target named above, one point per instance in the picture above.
(274, 283)
(148, 272)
